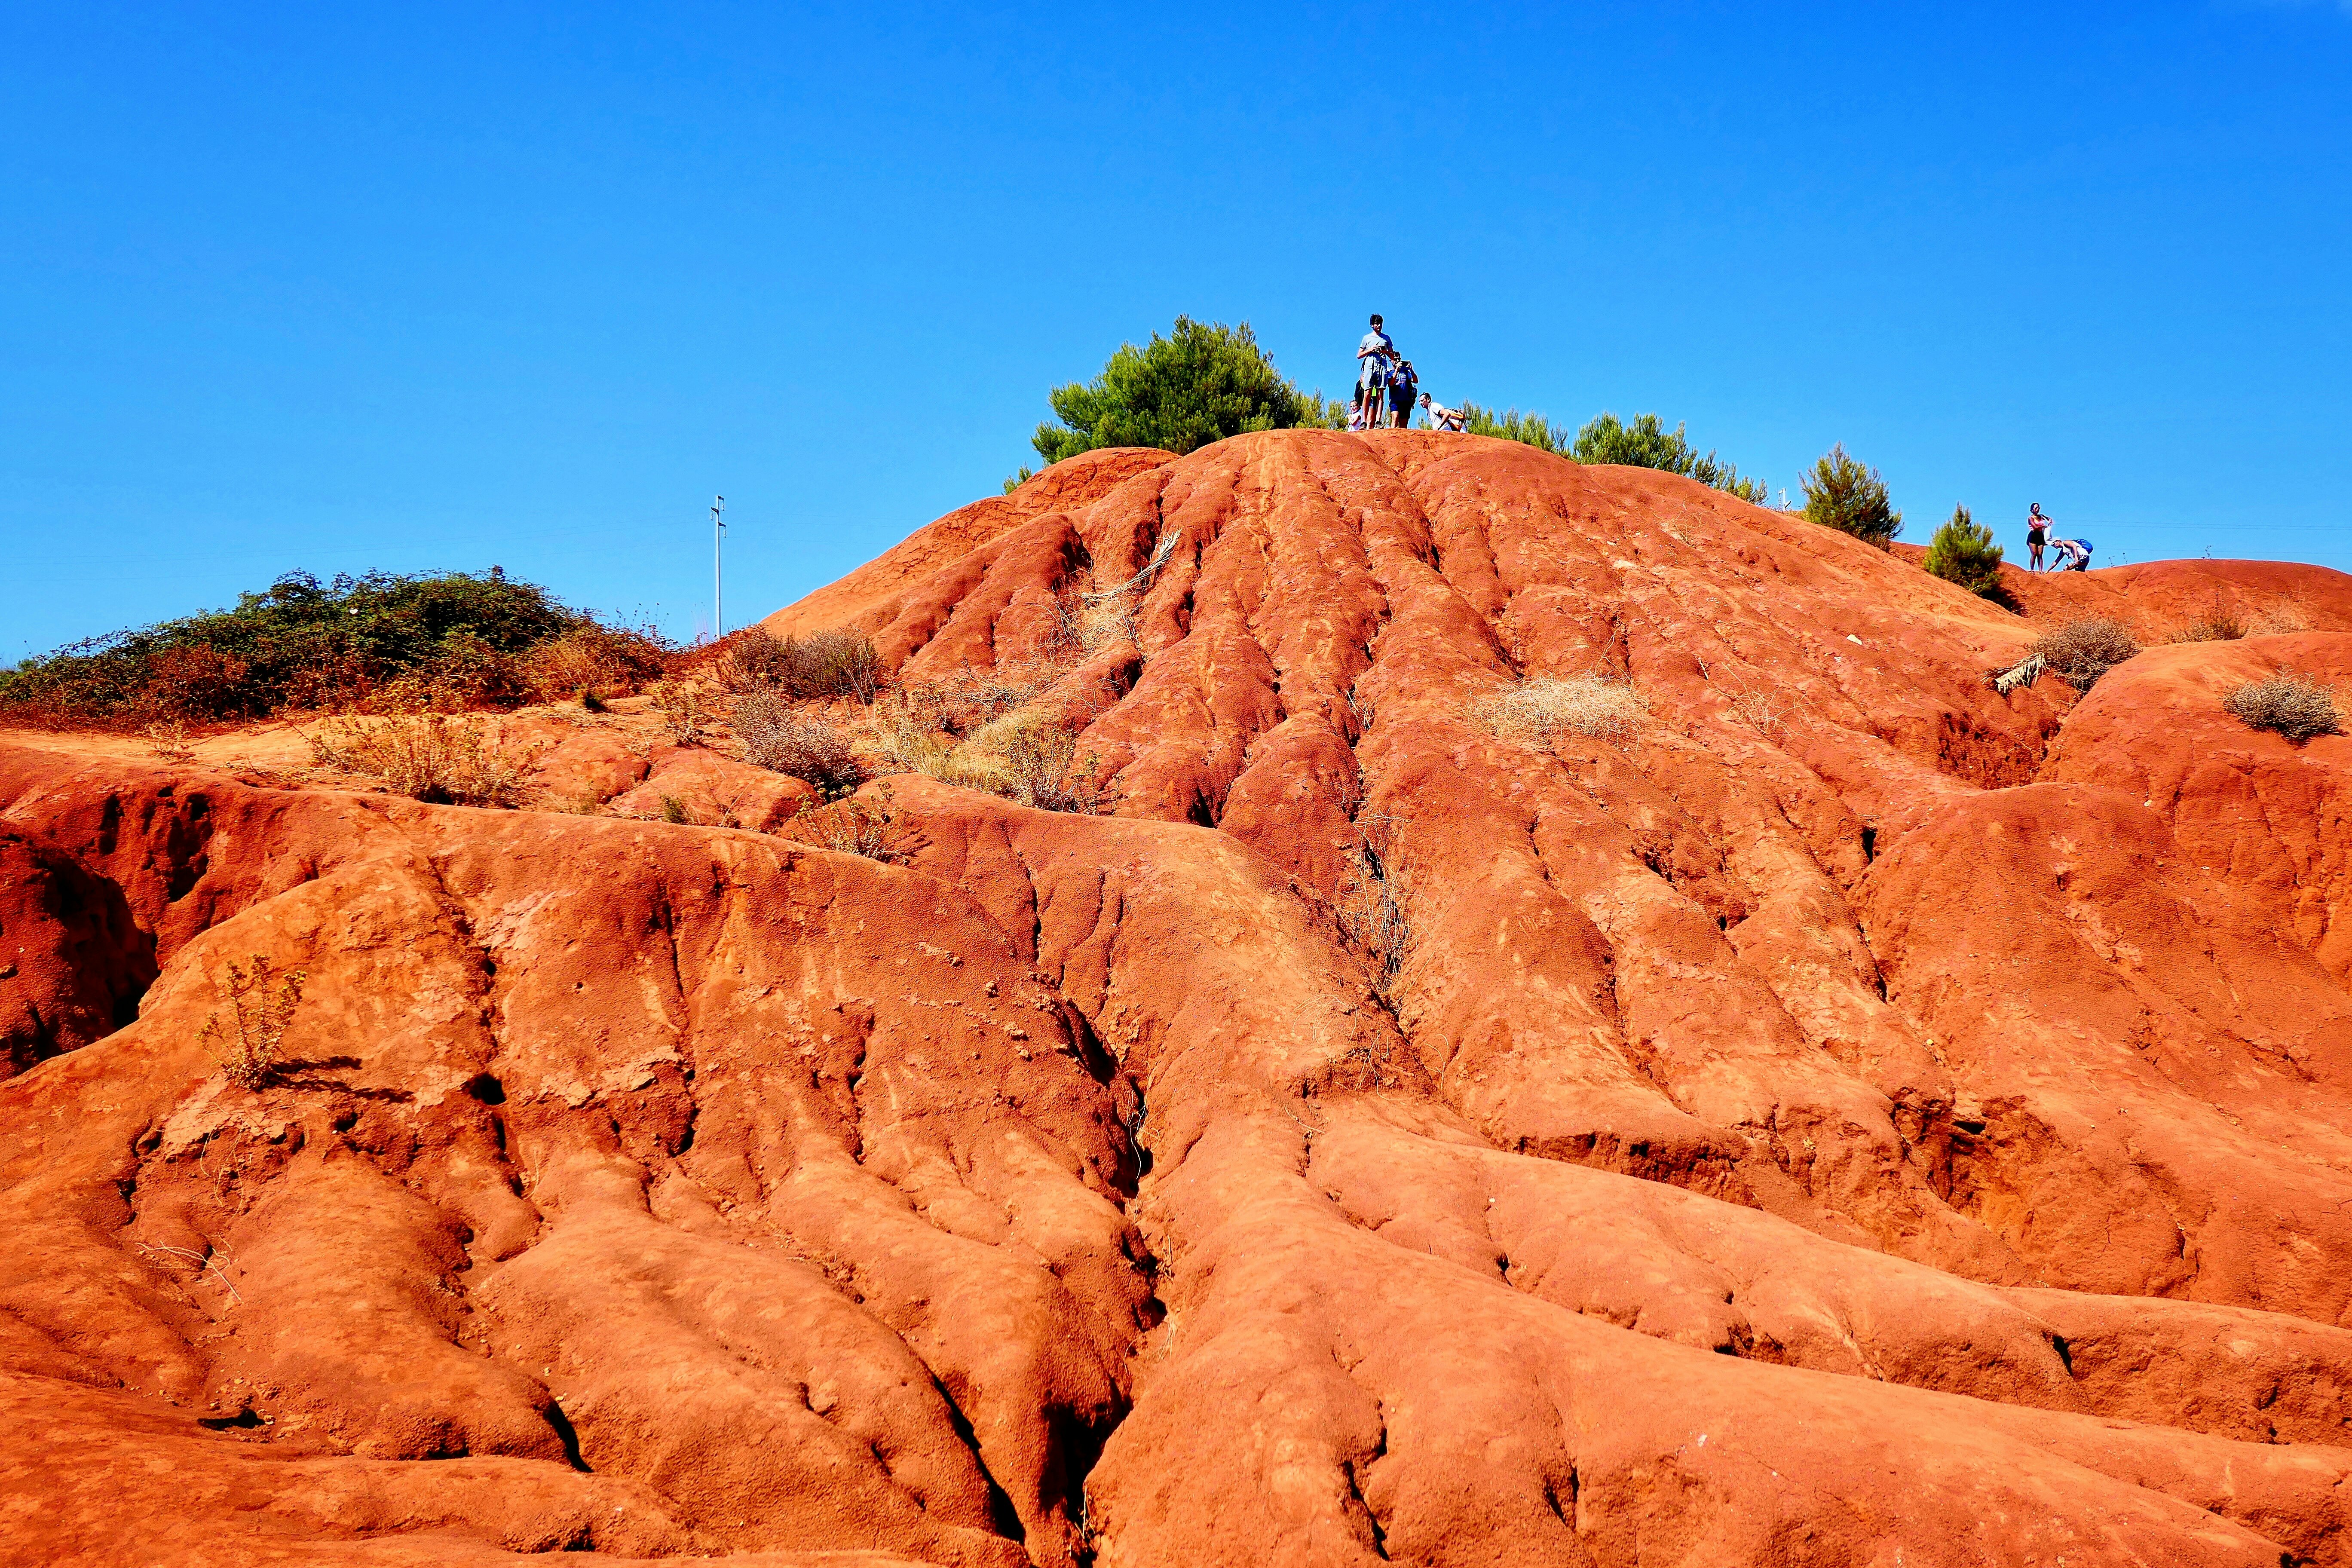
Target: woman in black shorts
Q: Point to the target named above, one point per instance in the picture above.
(2037, 533)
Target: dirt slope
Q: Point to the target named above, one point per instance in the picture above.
(1853, 1117)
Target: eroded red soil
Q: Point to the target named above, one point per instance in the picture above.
(1857, 1118)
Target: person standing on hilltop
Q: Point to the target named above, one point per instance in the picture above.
(1403, 384)
(1373, 357)
(2037, 533)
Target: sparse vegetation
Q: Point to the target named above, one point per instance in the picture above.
(1591, 705)
(2080, 651)
(1201, 383)
(1645, 443)
(841, 662)
(1962, 552)
(1374, 918)
(2288, 704)
(683, 708)
(1849, 496)
(775, 738)
(1761, 712)
(251, 1051)
(432, 757)
(380, 642)
(2218, 621)
(856, 825)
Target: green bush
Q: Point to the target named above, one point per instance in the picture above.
(1646, 443)
(1962, 552)
(1849, 496)
(1201, 384)
(448, 638)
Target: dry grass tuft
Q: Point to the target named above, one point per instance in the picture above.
(775, 738)
(258, 1013)
(431, 757)
(1761, 712)
(1549, 705)
(2288, 704)
(2080, 651)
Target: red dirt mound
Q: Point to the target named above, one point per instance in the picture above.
(1588, 1033)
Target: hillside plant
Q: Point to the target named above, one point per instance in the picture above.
(1203, 382)
(250, 1052)
(841, 662)
(1962, 552)
(384, 642)
(1645, 443)
(775, 738)
(2219, 621)
(437, 758)
(1594, 706)
(1843, 493)
(2080, 651)
(2288, 704)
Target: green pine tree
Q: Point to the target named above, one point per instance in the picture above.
(1963, 551)
(1201, 384)
(1845, 494)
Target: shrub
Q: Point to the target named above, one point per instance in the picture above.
(259, 1015)
(429, 757)
(1846, 495)
(2217, 621)
(1590, 705)
(2080, 651)
(592, 662)
(1962, 552)
(1201, 384)
(773, 737)
(448, 638)
(1646, 443)
(2286, 704)
(1372, 915)
(852, 826)
(841, 662)
(1025, 756)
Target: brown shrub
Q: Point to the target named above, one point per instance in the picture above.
(593, 660)
(2081, 650)
(837, 663)
(429, 757)
(852, 826)
(1591, 705)
(2217, 621)
(775, 738)
(2288, 704)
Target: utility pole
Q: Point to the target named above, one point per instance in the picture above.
(718, 567)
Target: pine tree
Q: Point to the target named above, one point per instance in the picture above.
(1848, 495)
(1201, 383)
(1962, 552)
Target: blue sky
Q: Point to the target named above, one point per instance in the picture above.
(425, 286)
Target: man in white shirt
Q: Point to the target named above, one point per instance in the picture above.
(1441, 417)
(1373, 357)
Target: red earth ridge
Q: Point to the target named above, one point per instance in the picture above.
(1854, 1117)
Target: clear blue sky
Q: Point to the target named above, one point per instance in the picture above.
(410, 287)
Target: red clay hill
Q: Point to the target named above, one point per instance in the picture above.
(1829, 1113)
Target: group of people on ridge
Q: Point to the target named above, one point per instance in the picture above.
(1386, 389)
(2073, 554)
